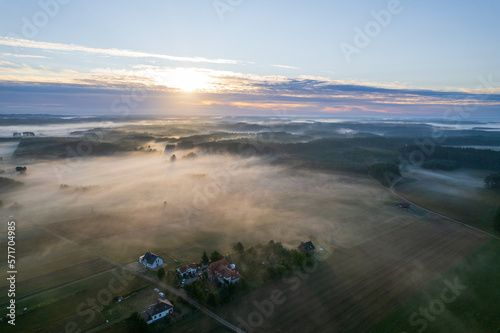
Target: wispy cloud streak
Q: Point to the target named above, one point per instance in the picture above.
(15, 42)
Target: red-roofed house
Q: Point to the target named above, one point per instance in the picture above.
(188, 269)
(222, 271)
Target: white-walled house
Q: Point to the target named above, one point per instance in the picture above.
(151, 260)
(161, 309)
(188, 269)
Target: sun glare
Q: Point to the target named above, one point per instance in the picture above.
(185, 79)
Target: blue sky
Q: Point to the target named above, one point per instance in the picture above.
(357, 57)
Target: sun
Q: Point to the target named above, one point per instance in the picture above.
(185, 79)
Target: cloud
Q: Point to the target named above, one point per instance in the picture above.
(23, 55)
(257, 105)
(224, 91)
(16, 42)
(285, 66)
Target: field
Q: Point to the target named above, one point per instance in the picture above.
(354, 288)
(80, 222)
(457, 194)
(475, 309)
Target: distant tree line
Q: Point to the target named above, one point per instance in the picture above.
(446, 157)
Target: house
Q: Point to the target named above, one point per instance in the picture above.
(151, 260)
(187, 270)
(161, 309)
(222, 271)
(306, 247)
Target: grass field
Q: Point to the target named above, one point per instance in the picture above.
(379, 256)
(354, 288)
(457, 194)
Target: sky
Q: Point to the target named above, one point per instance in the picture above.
(360, 57)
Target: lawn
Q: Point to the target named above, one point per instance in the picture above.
(53, 310)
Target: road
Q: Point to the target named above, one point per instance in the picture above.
(171, 289)
(191, 301)
(441, 215)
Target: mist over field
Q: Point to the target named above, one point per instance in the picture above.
(249, 166)
(98, 193)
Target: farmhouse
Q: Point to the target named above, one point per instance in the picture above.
(306, 247)
(222, 271)
(187, 270)
(151, 260)
(157, 311)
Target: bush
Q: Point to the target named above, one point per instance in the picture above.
(492, 181)
(161, 273)
(496, 221)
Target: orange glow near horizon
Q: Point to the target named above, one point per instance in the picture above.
(185, 79)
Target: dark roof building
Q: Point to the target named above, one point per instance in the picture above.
(306, 247)
(149, 258)
(157, 311)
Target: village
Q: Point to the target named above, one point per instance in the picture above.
(217, 278)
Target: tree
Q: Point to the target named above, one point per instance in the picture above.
(215, 256)
(21, 169)
(496, 221)
(136, 324)
(238, 248)
(204, 257)
(492, 181)
(224, 292)
(298, 258)
(386, 173)
(191, 155)
(161, 273)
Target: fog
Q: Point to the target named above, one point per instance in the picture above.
(234, 197)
